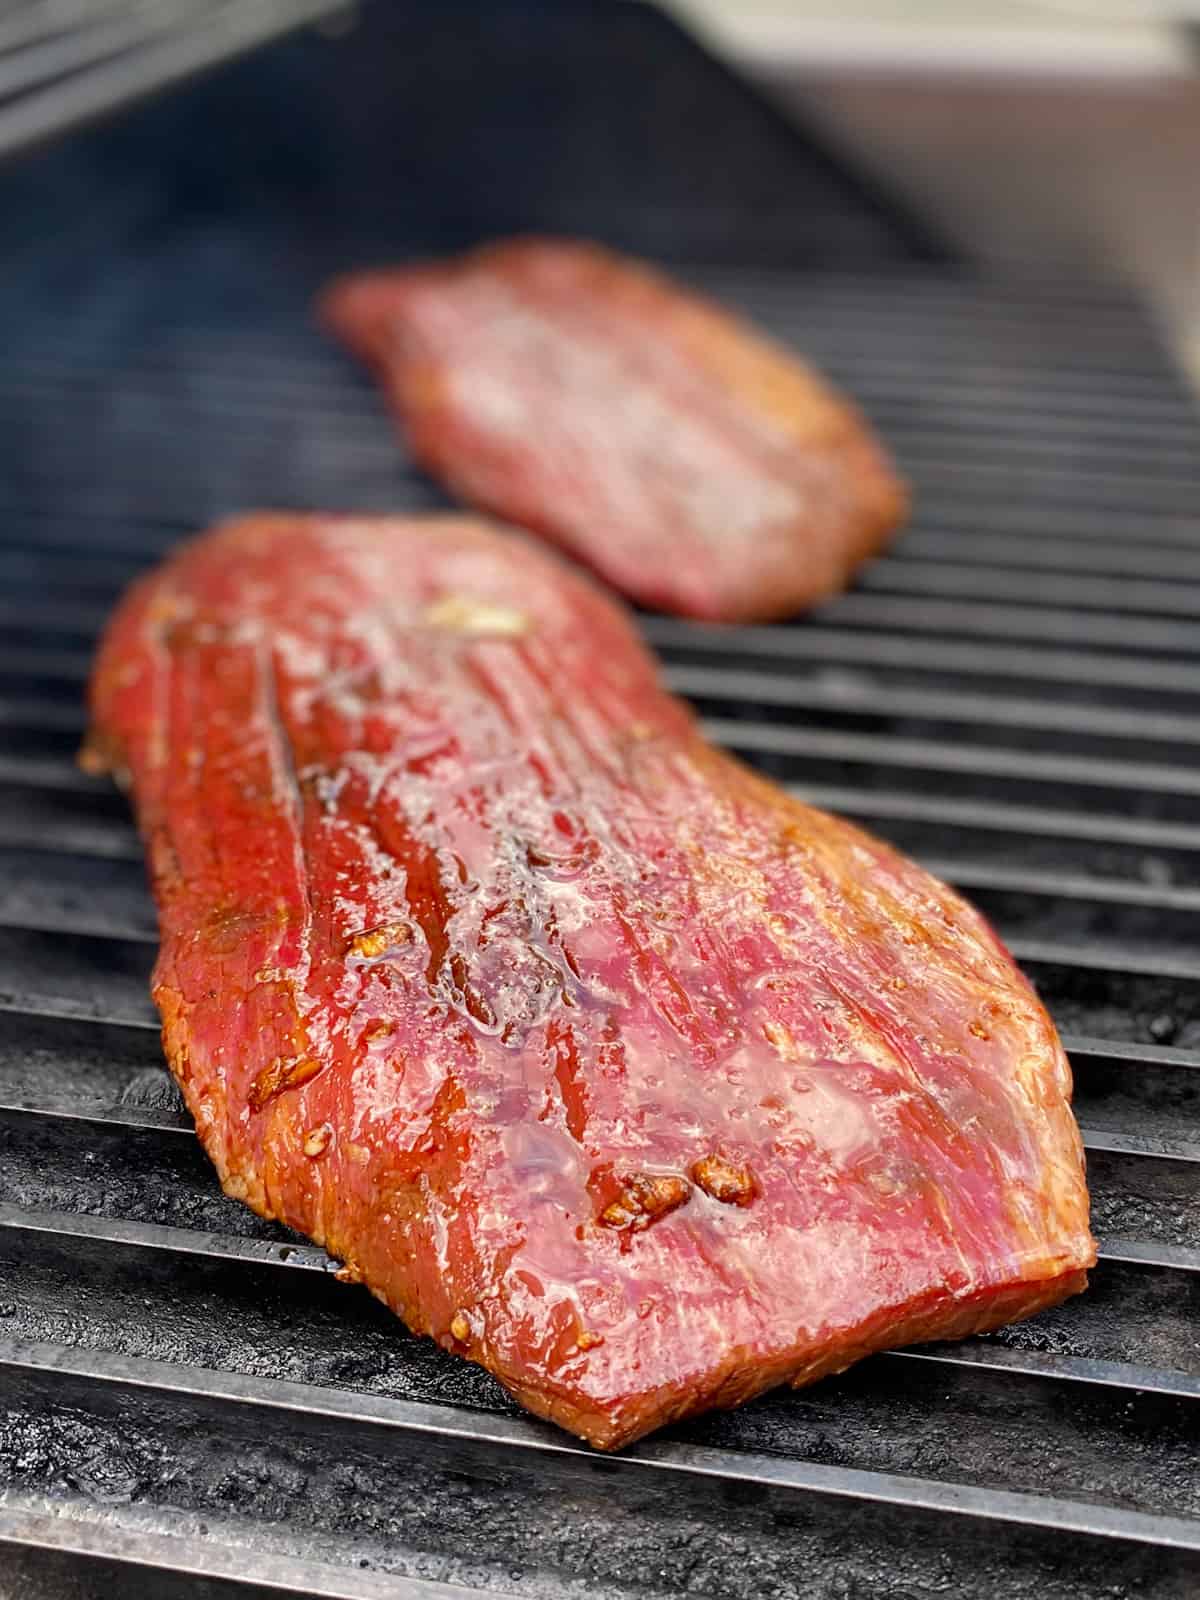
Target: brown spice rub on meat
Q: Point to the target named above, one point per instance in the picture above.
(697, 466)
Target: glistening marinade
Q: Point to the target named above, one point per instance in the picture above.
(598, 1058)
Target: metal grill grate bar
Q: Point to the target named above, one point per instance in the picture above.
(30, 1007)
(1028, 821)
(1098, 525)
(1083, 1048)
(1107, 1375)
(988, 428)
(1061, 554)
(846, 694)
(89, 43)
(57, 85)
(1116, 490)
(424, 1427)
(971, 618)
(787, 645)
(930, 755)
(33, 21)
(155, 1557)
(978, 582)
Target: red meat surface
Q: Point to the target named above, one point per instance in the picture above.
(696, 466)
(597, 1057)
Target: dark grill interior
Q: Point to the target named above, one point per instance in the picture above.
(188, 1402)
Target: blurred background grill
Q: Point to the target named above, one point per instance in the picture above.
(188, 1402)
(63, 62)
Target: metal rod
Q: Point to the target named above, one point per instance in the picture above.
(34, 20)
(822, 641)
(932, 755)
(423, 1424)
(230, 30)
(82, 1532)
(1033, 556)
(967, 580)
(934, 705)
(25, 70)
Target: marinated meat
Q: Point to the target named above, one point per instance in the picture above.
(597, 1057)
(696, 466)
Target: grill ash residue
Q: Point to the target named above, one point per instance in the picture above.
(154, 1089)
(545, 1538)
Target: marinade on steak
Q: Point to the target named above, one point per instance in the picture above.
(593, 1054)
(696, 466)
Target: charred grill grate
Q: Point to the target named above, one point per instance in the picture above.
(188, 1403)
(1012, 694)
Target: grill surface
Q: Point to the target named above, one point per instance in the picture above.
(1011, 694)
(190, 1404)
(63, 62)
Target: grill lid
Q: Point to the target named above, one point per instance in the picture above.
(65, 63)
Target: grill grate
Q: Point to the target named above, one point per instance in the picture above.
(188, 1403)
(1012, 694)
(65, 63)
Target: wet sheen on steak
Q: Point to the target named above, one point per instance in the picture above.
(594, 1055)
(697, 466)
